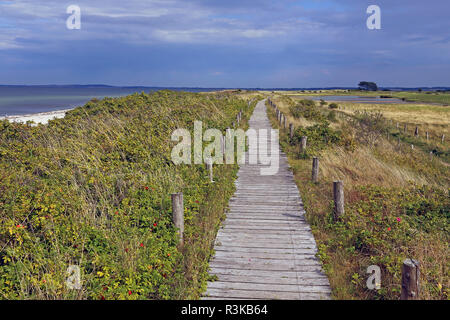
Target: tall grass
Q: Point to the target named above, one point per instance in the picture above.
(397, 206)
(93, 190)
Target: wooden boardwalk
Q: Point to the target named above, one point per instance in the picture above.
(265, 248)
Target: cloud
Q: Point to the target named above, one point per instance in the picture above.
(293, 43)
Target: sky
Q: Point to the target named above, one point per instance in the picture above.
(226, 43)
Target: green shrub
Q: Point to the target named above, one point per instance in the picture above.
(369, 126)
(383, 226)
(331, 116)
(319, 136)
(306, 109)
(333, 105)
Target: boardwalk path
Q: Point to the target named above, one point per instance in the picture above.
(265, 249)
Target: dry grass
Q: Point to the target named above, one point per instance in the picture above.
(432, 118)
(362, 167)
(388, 164)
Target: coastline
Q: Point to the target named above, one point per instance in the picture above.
(41, 117)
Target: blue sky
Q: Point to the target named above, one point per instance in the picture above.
(225, 43)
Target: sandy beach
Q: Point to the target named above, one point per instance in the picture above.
(42, 117)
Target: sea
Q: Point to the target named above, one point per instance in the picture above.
(24, 100)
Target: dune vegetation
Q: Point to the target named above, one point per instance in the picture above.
(93, 190)
(396, 192)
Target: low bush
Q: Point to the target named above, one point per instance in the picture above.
(382, 226)
(319, 137)
(369, 126)
(306, 109)
(333, 106)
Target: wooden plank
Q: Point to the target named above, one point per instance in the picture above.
(269, 287)
(249, 266)
(311, 248)
(267, 295)
(244, 294)
(274, 279)
(254, 255)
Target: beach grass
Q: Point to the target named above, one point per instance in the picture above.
(396, 197)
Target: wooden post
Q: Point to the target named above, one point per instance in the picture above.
(412, 147)
(291, 130)
(284, 122)
(416, 132)
(223, 148)
(431, 155)
(227, 132)
(303, 143)
(443, 138)
(338, 195)
(427, 135)
(209, 168)
(404, 129)
(410, 280)
(315, 170)
(178, 214)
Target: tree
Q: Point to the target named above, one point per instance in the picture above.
(369, 86)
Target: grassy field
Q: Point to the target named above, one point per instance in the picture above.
(397, 203)
(442, 98)
(93, 190)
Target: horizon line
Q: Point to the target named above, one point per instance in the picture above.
(222, 88)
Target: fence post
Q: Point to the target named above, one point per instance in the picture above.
(315, 169)
(338, 195)
(291, 130)
(303, 143)
(416, 132)
(178, 214)
(209, 168)
(404, 129)
(427, 135)
(443, 138)
(410, 280)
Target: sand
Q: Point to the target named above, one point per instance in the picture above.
(42, 117)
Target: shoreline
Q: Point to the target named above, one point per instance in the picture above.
(41, 117)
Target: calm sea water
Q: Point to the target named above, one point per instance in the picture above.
(358, 99)
(27, 100)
